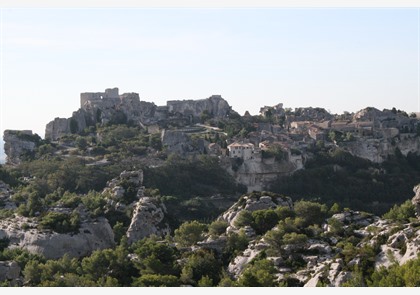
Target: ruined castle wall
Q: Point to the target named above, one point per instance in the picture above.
(214, 105)
(57, 128)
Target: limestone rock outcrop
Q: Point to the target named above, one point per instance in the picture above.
(176, 142)
(257, 174)
(252, 203)
(126, 192)
(321, 264)
(148, 219)
(57, 128)
(22, 233)
(416, 199)
(214, 106)
(5, 192)
(19, 144)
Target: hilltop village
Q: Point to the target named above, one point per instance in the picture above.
(254, 149)
(128, 193)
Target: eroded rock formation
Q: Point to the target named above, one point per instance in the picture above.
(127, 192)
(147, 220)
(416, 199)
(22, 232)
(18, 145)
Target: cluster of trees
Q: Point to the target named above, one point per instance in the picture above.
(337, 176)
(154, 261)
(185, 185)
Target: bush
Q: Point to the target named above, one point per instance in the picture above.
(60, 222)
(311, 212)
(153, 280)
(244, 218)
(261, 273)
(401, 213)
(264, 220)
(189, 233)
(218, 227)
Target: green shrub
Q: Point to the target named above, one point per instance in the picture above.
(60, 222)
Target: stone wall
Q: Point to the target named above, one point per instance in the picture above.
(214, 105)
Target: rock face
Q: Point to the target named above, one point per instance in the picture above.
(215, 106)
(18, 144)
(176, 142)
(5, 193)
(127, 192)
(309, 114)
(9, 271)
(253, 203)
(416, 199)
(62, 126)
(92, 236)
(257, 174)
(378, 150)
(57, 128)
(148, 219)
(22, 232)
(320, 255)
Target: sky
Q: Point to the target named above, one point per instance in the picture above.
(341, 59)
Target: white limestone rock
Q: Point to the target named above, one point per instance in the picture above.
(147, 220)
(93, 235)
(416, 199)
(18, 144)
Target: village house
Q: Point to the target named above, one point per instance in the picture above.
(317, 133)
(343, 126)
(300, 125)
(241, 150)
(364, 128)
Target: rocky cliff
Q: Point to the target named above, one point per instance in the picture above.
(258, 173)
(377, 150)
(111, 107)
(214, 106)
(319, 257)
(19, 145)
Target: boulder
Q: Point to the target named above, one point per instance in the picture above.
(92, 235)
(147, 220)
(9, 270)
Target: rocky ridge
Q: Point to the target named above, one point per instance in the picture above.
(322, 265)
(127, 193)
(111, 107)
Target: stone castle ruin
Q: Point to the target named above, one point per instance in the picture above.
(112, 107)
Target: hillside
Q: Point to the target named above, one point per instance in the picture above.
(128, 193)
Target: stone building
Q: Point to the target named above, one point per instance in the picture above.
(241, 150)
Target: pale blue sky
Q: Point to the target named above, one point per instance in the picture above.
(342, 59)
